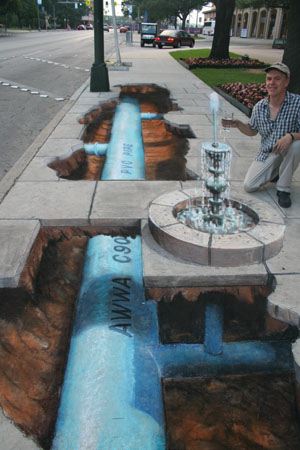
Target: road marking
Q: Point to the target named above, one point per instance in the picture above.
(65, 66)
(32, 58)
(31, 90)
(5, 58)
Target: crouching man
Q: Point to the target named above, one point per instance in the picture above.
(277, 119)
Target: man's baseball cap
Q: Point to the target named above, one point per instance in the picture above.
(279, 66)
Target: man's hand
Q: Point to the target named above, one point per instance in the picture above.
(241, 126)
(229, 123)
(282, 145)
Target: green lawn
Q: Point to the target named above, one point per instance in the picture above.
(215, 77)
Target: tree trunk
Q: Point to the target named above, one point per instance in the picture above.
(183, 18)
(291, 56)
(224, 13)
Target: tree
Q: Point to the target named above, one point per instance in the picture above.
(7, 8)
(168, 9)
(184, 8)
(224, 14)
(27, 14)
(156, 9)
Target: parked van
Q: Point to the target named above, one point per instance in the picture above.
(209, 27)
(148, 33)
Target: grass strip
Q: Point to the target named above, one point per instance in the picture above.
(216, 77)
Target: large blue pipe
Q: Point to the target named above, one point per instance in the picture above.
(111, 397)
(125, 152)
(100, 149)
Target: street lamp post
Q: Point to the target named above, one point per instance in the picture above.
(39, 2)
(99, 73)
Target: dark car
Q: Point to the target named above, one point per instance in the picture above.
(105, 28)
(174, 38)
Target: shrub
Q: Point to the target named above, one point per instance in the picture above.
(248, 94)
(234, 63)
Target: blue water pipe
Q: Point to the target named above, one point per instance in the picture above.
(112, 396)
(110, 400)
(125, 151)
(96, 149)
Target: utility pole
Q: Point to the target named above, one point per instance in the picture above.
(39, 2)
(113, 11)
(99, 73)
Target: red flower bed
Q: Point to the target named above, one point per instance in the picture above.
(248, 94)
(237, 63)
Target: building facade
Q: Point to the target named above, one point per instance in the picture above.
(260, 23)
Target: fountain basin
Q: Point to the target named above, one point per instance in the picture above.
(252, 246)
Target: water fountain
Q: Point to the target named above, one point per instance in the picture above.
(213, 212)
(205, 224)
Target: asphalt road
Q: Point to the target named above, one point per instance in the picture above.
(47, 68)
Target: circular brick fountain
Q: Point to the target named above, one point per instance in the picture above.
(255, 245)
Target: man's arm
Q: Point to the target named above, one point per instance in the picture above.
(241, 126)
(285, 141)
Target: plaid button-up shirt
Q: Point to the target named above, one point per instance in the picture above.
(287, 121)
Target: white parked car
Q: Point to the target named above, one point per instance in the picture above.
(209, 27)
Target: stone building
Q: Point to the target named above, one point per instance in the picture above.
(262, 23)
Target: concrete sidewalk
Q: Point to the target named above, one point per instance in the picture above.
(39, 198)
